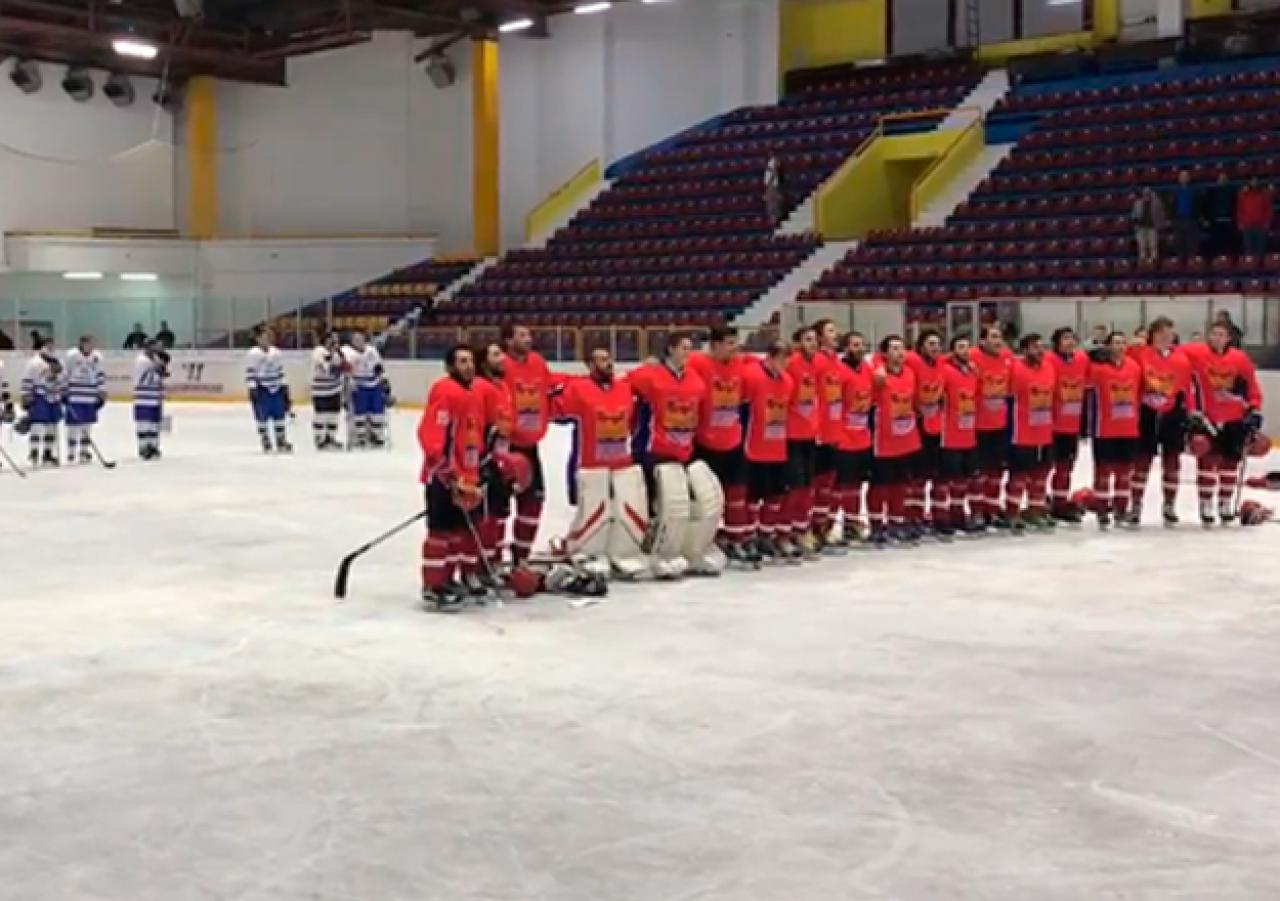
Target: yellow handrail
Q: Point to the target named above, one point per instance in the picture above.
(561, 200)
(957, 154)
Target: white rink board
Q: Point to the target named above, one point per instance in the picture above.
(189, 715)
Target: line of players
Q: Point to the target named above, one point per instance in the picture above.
(812, 449)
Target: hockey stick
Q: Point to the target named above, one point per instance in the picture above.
(106, 464)
(344, 568)
(12, 465)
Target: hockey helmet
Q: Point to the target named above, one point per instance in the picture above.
(1083, 499)
(515, 469)
(1253, 513)
(524, 582)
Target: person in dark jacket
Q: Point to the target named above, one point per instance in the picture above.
(1187, 212)
(136, 339)
(1221, 213)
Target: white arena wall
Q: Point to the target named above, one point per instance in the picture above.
(219, 376)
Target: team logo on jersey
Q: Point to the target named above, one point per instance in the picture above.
(1040, 405)
(902, 413)
(1222, 383)
(966, 410)
(775, 419)
(470, 441)
(612, 432)
(1122, 396)
(1158, 387)
(726, 397)
(527, 400)
(806, 395)
(680, 419)
(930, 397)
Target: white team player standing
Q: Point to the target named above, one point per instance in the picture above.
(42, 389)
(327, 367)
(86, 394)
(368, 400)
(268, 393)
(6, 399)
(149, 372)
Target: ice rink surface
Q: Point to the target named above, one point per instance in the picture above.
(187, 713)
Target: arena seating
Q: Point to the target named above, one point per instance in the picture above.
(1053, 218)
(683, 237)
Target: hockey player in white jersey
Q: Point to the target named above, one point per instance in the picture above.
(327, 373)
(42, 393)
(268, 393)
(86, 395)
(368, 398)
(6, 399)
(149, 372)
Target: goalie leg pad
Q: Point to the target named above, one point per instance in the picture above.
(705, 513)
(629, 523)
(671, 520)
(589, 533)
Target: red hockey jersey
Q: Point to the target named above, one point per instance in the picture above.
(1117, 388)
(960, 406)
(1033, 390)
(1227, 382)
(896, 430)
(832, 375)
(601, 415)
(669, 420)
(1165, 377)
(993, 388)
(929, 390)
(720, 417)
(498, 412)
(1069, 390)
(802, 420)
(451, 431)
(529, 381)
(768, 400)
(859, 397)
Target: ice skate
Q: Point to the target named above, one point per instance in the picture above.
(1170, 515)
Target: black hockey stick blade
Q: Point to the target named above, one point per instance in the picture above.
(12, 464)
(344, 568)
(106, 464)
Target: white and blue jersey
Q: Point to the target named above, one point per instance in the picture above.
(42, 387)
(148, 389)
(326, 373)
(368, 399)
(86, 386)
(264, 376)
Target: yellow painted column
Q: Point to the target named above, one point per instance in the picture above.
(202, 157)
(1201, 9)
(484, 147)
(1106, 20)
(814, 33)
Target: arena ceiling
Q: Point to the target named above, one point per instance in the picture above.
(241, 40)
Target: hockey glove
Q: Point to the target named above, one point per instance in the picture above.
(1197, 424)
(1253, 421)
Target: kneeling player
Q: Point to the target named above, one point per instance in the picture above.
(959, 457)
(1031, 453)
(897, 441)
(1167, 400)
(767, 390)
(607, 488)
(451, 435)
(1230, 400)
(1116, 384)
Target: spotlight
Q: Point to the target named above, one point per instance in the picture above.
(25, 76)
(119, 89)
(515, 25)
(441, 71)
(135, 48)
(78, 84)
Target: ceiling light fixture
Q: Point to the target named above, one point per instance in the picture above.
(138, 277)
(82, 276)
(134, 47)
(586, 9)
(515, 25)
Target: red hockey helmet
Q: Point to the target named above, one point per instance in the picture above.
(1083, 498)
(515, 469)
(1200, 445)
(524, 582)
(1253, 513)
(1259, 445)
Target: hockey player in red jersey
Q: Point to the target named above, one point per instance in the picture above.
(1071, 366)
(993, 363)
(767, 393)
(1167, 399)
(498, 420)
(959, 455)
(802, 430)
(831, 378)
(854, 458)
(925, 362)
(530, 381)
(452, 437)
(1230, 400)
(1033, 379)
(895, 442)
(718, 441)
(1117, 384)
(605, 486)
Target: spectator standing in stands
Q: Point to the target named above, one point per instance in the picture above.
(1221, 212)
(1223, 318)
(1188, 212)
(1148, 221)
(773, 190)
(136, 339)
(165, 337)
(1254, 208)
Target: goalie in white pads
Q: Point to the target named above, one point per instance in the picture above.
(688, 501)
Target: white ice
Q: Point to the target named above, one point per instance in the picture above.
(185, 712)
